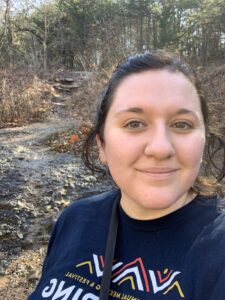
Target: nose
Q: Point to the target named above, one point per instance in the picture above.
(159, 143)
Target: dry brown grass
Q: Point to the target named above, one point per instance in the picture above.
(23, 98)
(213, 84)
(83, 101)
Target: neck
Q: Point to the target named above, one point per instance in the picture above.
(138, 212)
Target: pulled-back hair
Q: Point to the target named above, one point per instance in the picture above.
(157, 60)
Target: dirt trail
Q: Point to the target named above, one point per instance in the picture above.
(36, 184)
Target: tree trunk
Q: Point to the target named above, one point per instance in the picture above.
(45, 55)
(34, 54)
(8, 32)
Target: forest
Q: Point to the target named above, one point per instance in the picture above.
(95, 34)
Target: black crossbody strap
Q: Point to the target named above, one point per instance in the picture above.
(109, 253)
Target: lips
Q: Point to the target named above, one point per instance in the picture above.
(158, 173)
(158, 170)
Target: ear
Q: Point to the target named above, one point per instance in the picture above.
(102, 156)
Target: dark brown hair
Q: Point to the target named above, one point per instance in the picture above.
(155, 60)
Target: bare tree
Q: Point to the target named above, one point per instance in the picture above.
(6, 35)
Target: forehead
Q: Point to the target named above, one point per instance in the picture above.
(160, 88)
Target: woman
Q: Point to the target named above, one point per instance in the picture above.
(158, 236)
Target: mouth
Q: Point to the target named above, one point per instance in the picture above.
(158, 173)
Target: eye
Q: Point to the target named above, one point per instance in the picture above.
(134, 124)
(182, 125)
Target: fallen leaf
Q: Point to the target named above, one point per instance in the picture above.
(73, 139)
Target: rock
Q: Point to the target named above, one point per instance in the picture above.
(27, 242)
(4, 263)
(2, 271)
(20, 158)
(33, 275)
(19, 234)
(16, 250)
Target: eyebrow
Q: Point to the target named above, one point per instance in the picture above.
(131, 109)
(184, 111)
(140, 110)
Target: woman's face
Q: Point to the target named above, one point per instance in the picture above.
(154, 137)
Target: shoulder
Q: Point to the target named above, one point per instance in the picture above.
(217, 225)
(92, 206)
(212, 237)
(215, 229)
(212, 234)
(205, 261)
(84, 214)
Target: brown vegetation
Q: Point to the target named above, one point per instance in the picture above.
(213, 85)
(23, 98)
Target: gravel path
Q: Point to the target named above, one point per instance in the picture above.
(36, 184)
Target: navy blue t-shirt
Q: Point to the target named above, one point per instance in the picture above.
(178, 256)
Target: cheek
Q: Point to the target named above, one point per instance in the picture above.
(115, 153)
(191, 152)
(121, 154)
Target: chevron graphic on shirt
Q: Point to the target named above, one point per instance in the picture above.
(98, 265)
(136, 270)
(160, 284)
(88, 263)
(177, 285)
(136, 275)
(130, 278)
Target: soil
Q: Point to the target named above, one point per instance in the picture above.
(36, 184)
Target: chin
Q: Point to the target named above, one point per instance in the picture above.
(162, 202)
